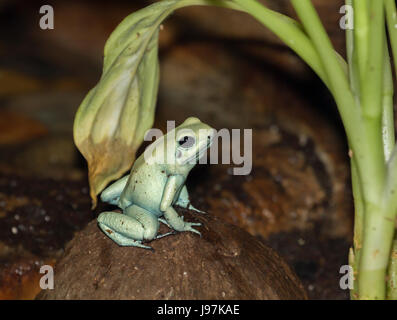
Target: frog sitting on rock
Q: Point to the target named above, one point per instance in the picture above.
(156, 182)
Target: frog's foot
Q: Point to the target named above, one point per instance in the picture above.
(176, 222)
(188, 227)
(131, 229)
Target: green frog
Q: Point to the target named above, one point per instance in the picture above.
(155, 184)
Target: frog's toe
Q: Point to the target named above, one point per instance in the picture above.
(195, 231)
(165, 222)
(190, 207)
(165, 234)
(189, 227)
(199, 211)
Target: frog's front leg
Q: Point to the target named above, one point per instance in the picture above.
(184, 201)
(130, 228)
(176, 222)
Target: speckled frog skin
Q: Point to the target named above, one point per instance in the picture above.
(154, 185)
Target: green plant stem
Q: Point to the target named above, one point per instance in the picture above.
(329, 63)
(392, 274)
(337, 76)
(369, 156)
(387, 107)
(361, 116)
(373, 75)
(338, 81)
(365, 146)
(378, 233)
(361, 38)
(378, 237)
(371, 101)
(352, 61)
(358, 225)
(355, 252)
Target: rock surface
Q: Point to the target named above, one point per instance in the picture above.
(226, 263)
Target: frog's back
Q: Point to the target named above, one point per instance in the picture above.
(144, 187)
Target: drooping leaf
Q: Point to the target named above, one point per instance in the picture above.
(112, 119)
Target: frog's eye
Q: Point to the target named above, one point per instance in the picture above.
(187, 142)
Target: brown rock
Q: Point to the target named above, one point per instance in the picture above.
(226, 263)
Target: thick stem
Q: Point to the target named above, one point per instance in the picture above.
(387, 108)
(378, 237)
(361, 38)
(372, 79)
(363, 131)
(372, 101)
(352, 61)
(355, 252)
(377, 241)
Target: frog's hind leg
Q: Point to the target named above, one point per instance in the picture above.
(120, 239)
(112, 193)
(131, 228)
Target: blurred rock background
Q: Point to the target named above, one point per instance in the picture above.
(219, 65)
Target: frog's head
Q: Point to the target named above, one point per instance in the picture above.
(193, 138)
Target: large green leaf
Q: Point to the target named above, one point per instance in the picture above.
(112, 119)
